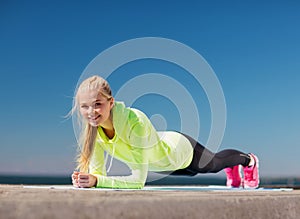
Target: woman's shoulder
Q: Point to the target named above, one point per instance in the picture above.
(124, 114)
(129, 120)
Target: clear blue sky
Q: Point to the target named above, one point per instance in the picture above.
(253, 47)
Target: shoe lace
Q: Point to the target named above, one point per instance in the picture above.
(229, 173)
(248, 174)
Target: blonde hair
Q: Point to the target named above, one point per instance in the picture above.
(88, 133)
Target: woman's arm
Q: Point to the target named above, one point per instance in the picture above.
(136, 180)
(138, 139)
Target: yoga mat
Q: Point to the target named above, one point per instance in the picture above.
(163, 188)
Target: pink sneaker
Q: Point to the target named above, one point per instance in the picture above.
(251, 175)
(233, 176)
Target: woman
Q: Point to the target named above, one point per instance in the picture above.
(128, 135)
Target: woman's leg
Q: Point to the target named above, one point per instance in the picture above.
(205, 161)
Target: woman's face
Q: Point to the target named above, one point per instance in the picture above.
(95, 107)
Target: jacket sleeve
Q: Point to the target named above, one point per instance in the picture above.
(138, 138)
(97, 162)
(136, 180)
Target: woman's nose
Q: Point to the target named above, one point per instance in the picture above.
(90, 109)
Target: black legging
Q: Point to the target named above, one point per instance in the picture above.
(205, 161)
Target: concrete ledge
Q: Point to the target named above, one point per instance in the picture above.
(17, 202)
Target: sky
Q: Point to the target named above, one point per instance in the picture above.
(253, 48)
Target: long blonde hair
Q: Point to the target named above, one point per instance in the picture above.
(88, 133)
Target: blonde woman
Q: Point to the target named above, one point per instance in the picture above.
(128, 135)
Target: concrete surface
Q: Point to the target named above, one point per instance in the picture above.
(19, 202)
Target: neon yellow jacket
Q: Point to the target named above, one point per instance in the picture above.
(140, 146)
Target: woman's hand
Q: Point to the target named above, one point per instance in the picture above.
(83, 180)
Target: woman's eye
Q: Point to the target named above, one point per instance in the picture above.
(84, 107)
(97, 104)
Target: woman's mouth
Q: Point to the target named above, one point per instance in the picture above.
(93, 118)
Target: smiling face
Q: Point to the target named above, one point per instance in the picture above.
(95, 108)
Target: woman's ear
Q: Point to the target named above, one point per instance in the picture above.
(111, 102)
